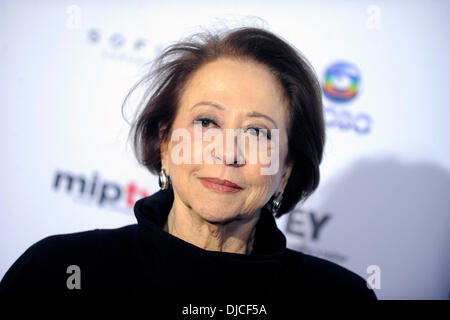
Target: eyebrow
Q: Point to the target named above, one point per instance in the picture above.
(222, 108)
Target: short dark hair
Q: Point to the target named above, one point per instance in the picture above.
(301, 89)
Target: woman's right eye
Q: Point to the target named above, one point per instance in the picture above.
(205, 122)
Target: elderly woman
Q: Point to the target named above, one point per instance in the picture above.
(211, 228)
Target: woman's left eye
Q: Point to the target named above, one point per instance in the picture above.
(257, 130)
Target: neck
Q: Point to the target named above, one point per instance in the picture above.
(235, 237)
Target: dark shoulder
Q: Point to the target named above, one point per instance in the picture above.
(82, 243)
(43, 267)
(317, 277)
(90, 238)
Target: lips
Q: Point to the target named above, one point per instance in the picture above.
(220, 186)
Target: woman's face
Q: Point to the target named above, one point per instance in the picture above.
(227, 94)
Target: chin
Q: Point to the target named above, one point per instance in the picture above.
(215, 216)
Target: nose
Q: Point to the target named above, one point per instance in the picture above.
(232, 153)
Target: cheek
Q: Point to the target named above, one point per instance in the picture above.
(260, 185)
(190, 147)
(180, 160)
(260, 191)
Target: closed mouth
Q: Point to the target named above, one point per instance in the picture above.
(226, 183)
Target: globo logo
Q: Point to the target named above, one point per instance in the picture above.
(341, 81)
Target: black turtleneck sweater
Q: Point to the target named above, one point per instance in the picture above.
(144, 259)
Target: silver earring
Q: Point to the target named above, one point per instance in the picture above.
(163, 180)
(275, 204)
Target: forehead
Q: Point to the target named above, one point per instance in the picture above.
(239, 85)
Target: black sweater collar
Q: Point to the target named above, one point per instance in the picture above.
(152, 212)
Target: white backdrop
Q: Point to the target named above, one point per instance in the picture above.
(383, 198)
